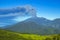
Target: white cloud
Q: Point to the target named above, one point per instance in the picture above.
(2, 24)
(6, 15)
(12, 14)
(19, 19)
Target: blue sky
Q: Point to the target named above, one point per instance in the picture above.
(49, 9)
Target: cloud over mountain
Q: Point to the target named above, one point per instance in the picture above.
(16, 14)
(18, 11)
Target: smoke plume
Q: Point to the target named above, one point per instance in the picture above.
(21, 11)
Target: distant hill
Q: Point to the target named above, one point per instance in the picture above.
(34, 26)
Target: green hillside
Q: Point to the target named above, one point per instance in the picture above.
(8, 35)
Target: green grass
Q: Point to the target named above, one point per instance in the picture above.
(8, 35)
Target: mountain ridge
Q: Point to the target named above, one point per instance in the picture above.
(32, 26)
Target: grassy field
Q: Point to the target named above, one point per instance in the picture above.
(8, 35)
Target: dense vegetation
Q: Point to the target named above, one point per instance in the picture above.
(8, 35)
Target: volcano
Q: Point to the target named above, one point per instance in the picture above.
(34, 25)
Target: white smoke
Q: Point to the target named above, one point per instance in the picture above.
(31, 10)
